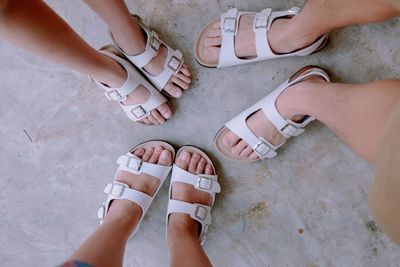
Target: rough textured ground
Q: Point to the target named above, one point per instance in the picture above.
(60, 139)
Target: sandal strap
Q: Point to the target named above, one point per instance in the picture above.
(287, 128)
(261, 25)
(134, 80)
(131, 163)
(203, 182)
(118, 190)
(200, 213)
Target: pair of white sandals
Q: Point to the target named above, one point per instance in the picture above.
(134, 66)
(262, 23)
(132, 164)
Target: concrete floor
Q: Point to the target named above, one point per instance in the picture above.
(60, 139)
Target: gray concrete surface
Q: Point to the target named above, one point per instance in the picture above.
(60, 139)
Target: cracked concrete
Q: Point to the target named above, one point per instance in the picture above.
(60, 139)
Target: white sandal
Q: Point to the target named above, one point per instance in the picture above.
(173, 62)
(131, 163)
(135, 79)
(288, 128)
(262, 23)
(207, 183)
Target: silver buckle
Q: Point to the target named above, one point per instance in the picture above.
(174, 63)
(138, 112)
(155, 43)
(204, 183)
(134, 164)
(114, 95)
(201, 213)
(289, 129)
(117, 190)
(229, 24)
(261, 22)
(261, 148)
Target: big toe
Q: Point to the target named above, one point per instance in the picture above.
(165, 110)
(165, 158)
(183, 160)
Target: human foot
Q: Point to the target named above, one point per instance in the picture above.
(126, 212)
(137, 97)
(133, 43)
(288, 105)
(199, 188)
(282, 37)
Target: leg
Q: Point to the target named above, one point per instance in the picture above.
(105, 247)
(183, 240)
(129, 37)
(33, 26)
(384, 198)
(316, 18)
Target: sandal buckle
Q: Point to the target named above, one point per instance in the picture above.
(155, 43)
(201, 213)
(138, 112)
(117, 189)
(114, 95)
(261, 148)
(289, 130)
(204, 183)
(229, 24)
(174, 63)
(261, 22)
(134, 164)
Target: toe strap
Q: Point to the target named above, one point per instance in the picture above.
(200, 213)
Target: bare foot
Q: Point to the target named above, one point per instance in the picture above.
(259, 124)
(195, 164)
(128, 212)
(134, 41)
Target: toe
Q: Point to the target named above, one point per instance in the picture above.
(214, 41)
(139, 152)
(156, 154)
(146, 121)
(183, 160)
(211, 53)
(246, 152)
(165, 158)
(165, 110)
(185, 70)
(214, 33)
(193, 162)
(160, 119)
(200, 169)
(147, 155)
(151, 119)
(179, 82)
(209, 169)
(216, 25)
(236, 150)
(230, 139)
(253, 156)
(184, 78)
(173, 90)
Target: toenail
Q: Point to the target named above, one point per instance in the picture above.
(167, 114)
(196, 156)
(164, 154)
(184, 155)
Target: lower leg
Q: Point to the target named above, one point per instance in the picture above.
(357, 113)
(183, 242)
(33, 26)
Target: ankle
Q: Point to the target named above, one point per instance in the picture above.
(297, 100)
(124, 215)
(111, 73)
(131, 38)
(182, 224)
